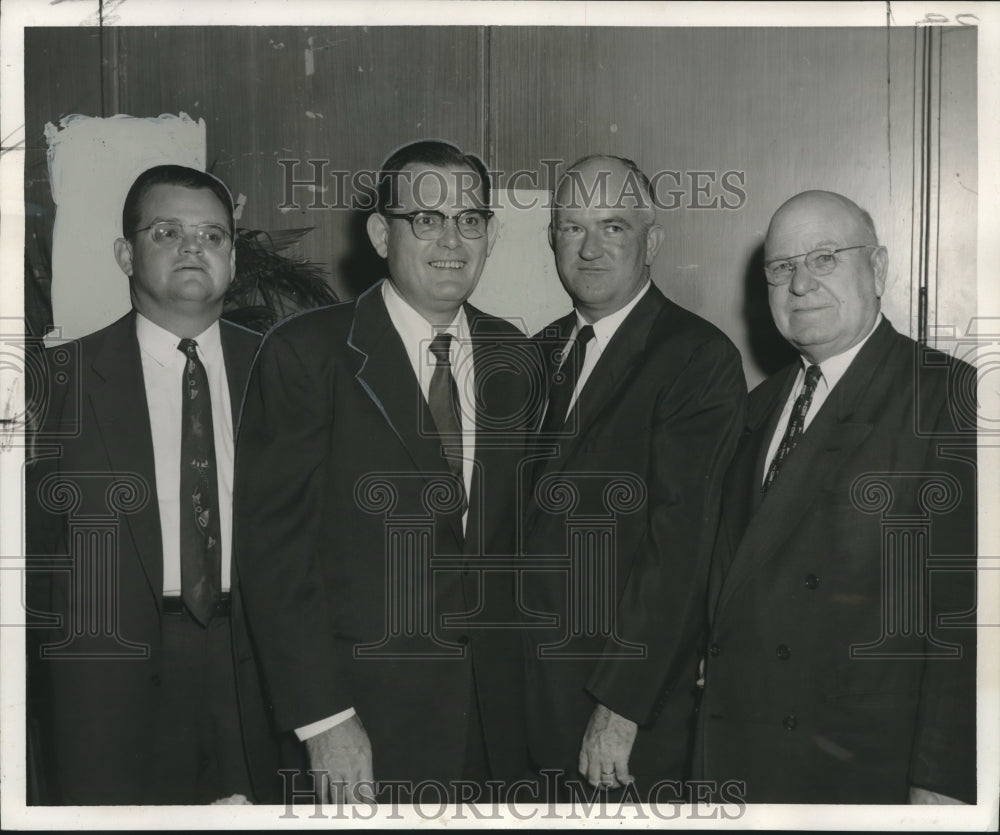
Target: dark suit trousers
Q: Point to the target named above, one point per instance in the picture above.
(198, 754)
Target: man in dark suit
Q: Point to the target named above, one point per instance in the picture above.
(375, 482)
(143, 688)
(644, 412)
(841, 661)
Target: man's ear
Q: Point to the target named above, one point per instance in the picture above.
(232, 262)
(378, 233)
(654, 240)
(552, 239)
(123, 255)
(492, 230)
(880, 266)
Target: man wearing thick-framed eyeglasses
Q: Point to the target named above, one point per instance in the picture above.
(162, 704)
(382, 436)
(832, 673)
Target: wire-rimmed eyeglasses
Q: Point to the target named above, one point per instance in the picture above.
(819, 262)
(167, 233)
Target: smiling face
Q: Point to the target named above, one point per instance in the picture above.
(179, 287)
(435, 276)
(603, 240)
(822, 316)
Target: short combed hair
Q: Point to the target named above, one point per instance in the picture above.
(426, 152)
(634, 174)
(171, 175)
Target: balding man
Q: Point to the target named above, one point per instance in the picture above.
(841, 658)
(646, 402)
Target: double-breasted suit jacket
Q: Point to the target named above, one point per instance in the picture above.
(639, 465)
(361, 588)
(92, 515)
(841, 660)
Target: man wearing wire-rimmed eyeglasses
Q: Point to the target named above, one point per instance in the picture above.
(841, 659)
(143, 690)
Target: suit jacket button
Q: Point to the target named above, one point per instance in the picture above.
(812, 581)
(714, 650)
(155, 680)
(784, 653)
(790, 723)
(463, 639)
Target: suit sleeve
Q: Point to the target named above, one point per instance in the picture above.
(943, 758)
(281, 464)
(696, 425)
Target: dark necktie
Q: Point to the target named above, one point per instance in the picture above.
(565, 381)
(442, 397)
(201, 563)
(796, 425)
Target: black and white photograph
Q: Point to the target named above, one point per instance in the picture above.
(499, 414)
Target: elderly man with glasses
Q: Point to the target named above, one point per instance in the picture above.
(375, 504)
(841, 658)
(143, 690)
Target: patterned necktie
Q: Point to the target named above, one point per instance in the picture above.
(796, 425)
(565, 381)
(201, 563)
(442, 398)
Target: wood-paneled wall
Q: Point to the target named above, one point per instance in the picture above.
(786, 109)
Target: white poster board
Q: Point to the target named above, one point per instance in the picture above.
(520, 282)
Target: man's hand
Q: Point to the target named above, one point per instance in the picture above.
(344, 755)
(607, 744)
(925, 797)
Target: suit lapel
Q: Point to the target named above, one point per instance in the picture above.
(385, 374)
(834, 434)
(612, 371)
(238, 363)
(118, 399)
(611, 374)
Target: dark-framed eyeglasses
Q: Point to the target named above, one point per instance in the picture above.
(169, 233)
(429, 224)
(819, 262)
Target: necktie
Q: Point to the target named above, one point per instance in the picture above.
(442, 398)
(565, 381)
(201, 564)
(796, 424)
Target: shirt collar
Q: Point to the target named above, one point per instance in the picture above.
(605, 327)
(834, 368)
(161, 344)
(414, 329)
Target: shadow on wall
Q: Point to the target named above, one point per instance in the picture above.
(768, 349)
(361, 266)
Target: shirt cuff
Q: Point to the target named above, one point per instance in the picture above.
(314, 728)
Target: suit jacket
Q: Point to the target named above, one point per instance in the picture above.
(361, 589)
(838, 668)
(93, 489)
(644, 454)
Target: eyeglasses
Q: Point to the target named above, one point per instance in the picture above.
(819, 262)
(168, 233)
(428, 225)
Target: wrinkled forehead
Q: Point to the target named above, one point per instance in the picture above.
(421, 187)
(812, 223)
(598, 191)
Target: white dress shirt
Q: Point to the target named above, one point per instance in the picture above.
(604, 329)
(832, 369)
(417, 333)
(162, 372)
